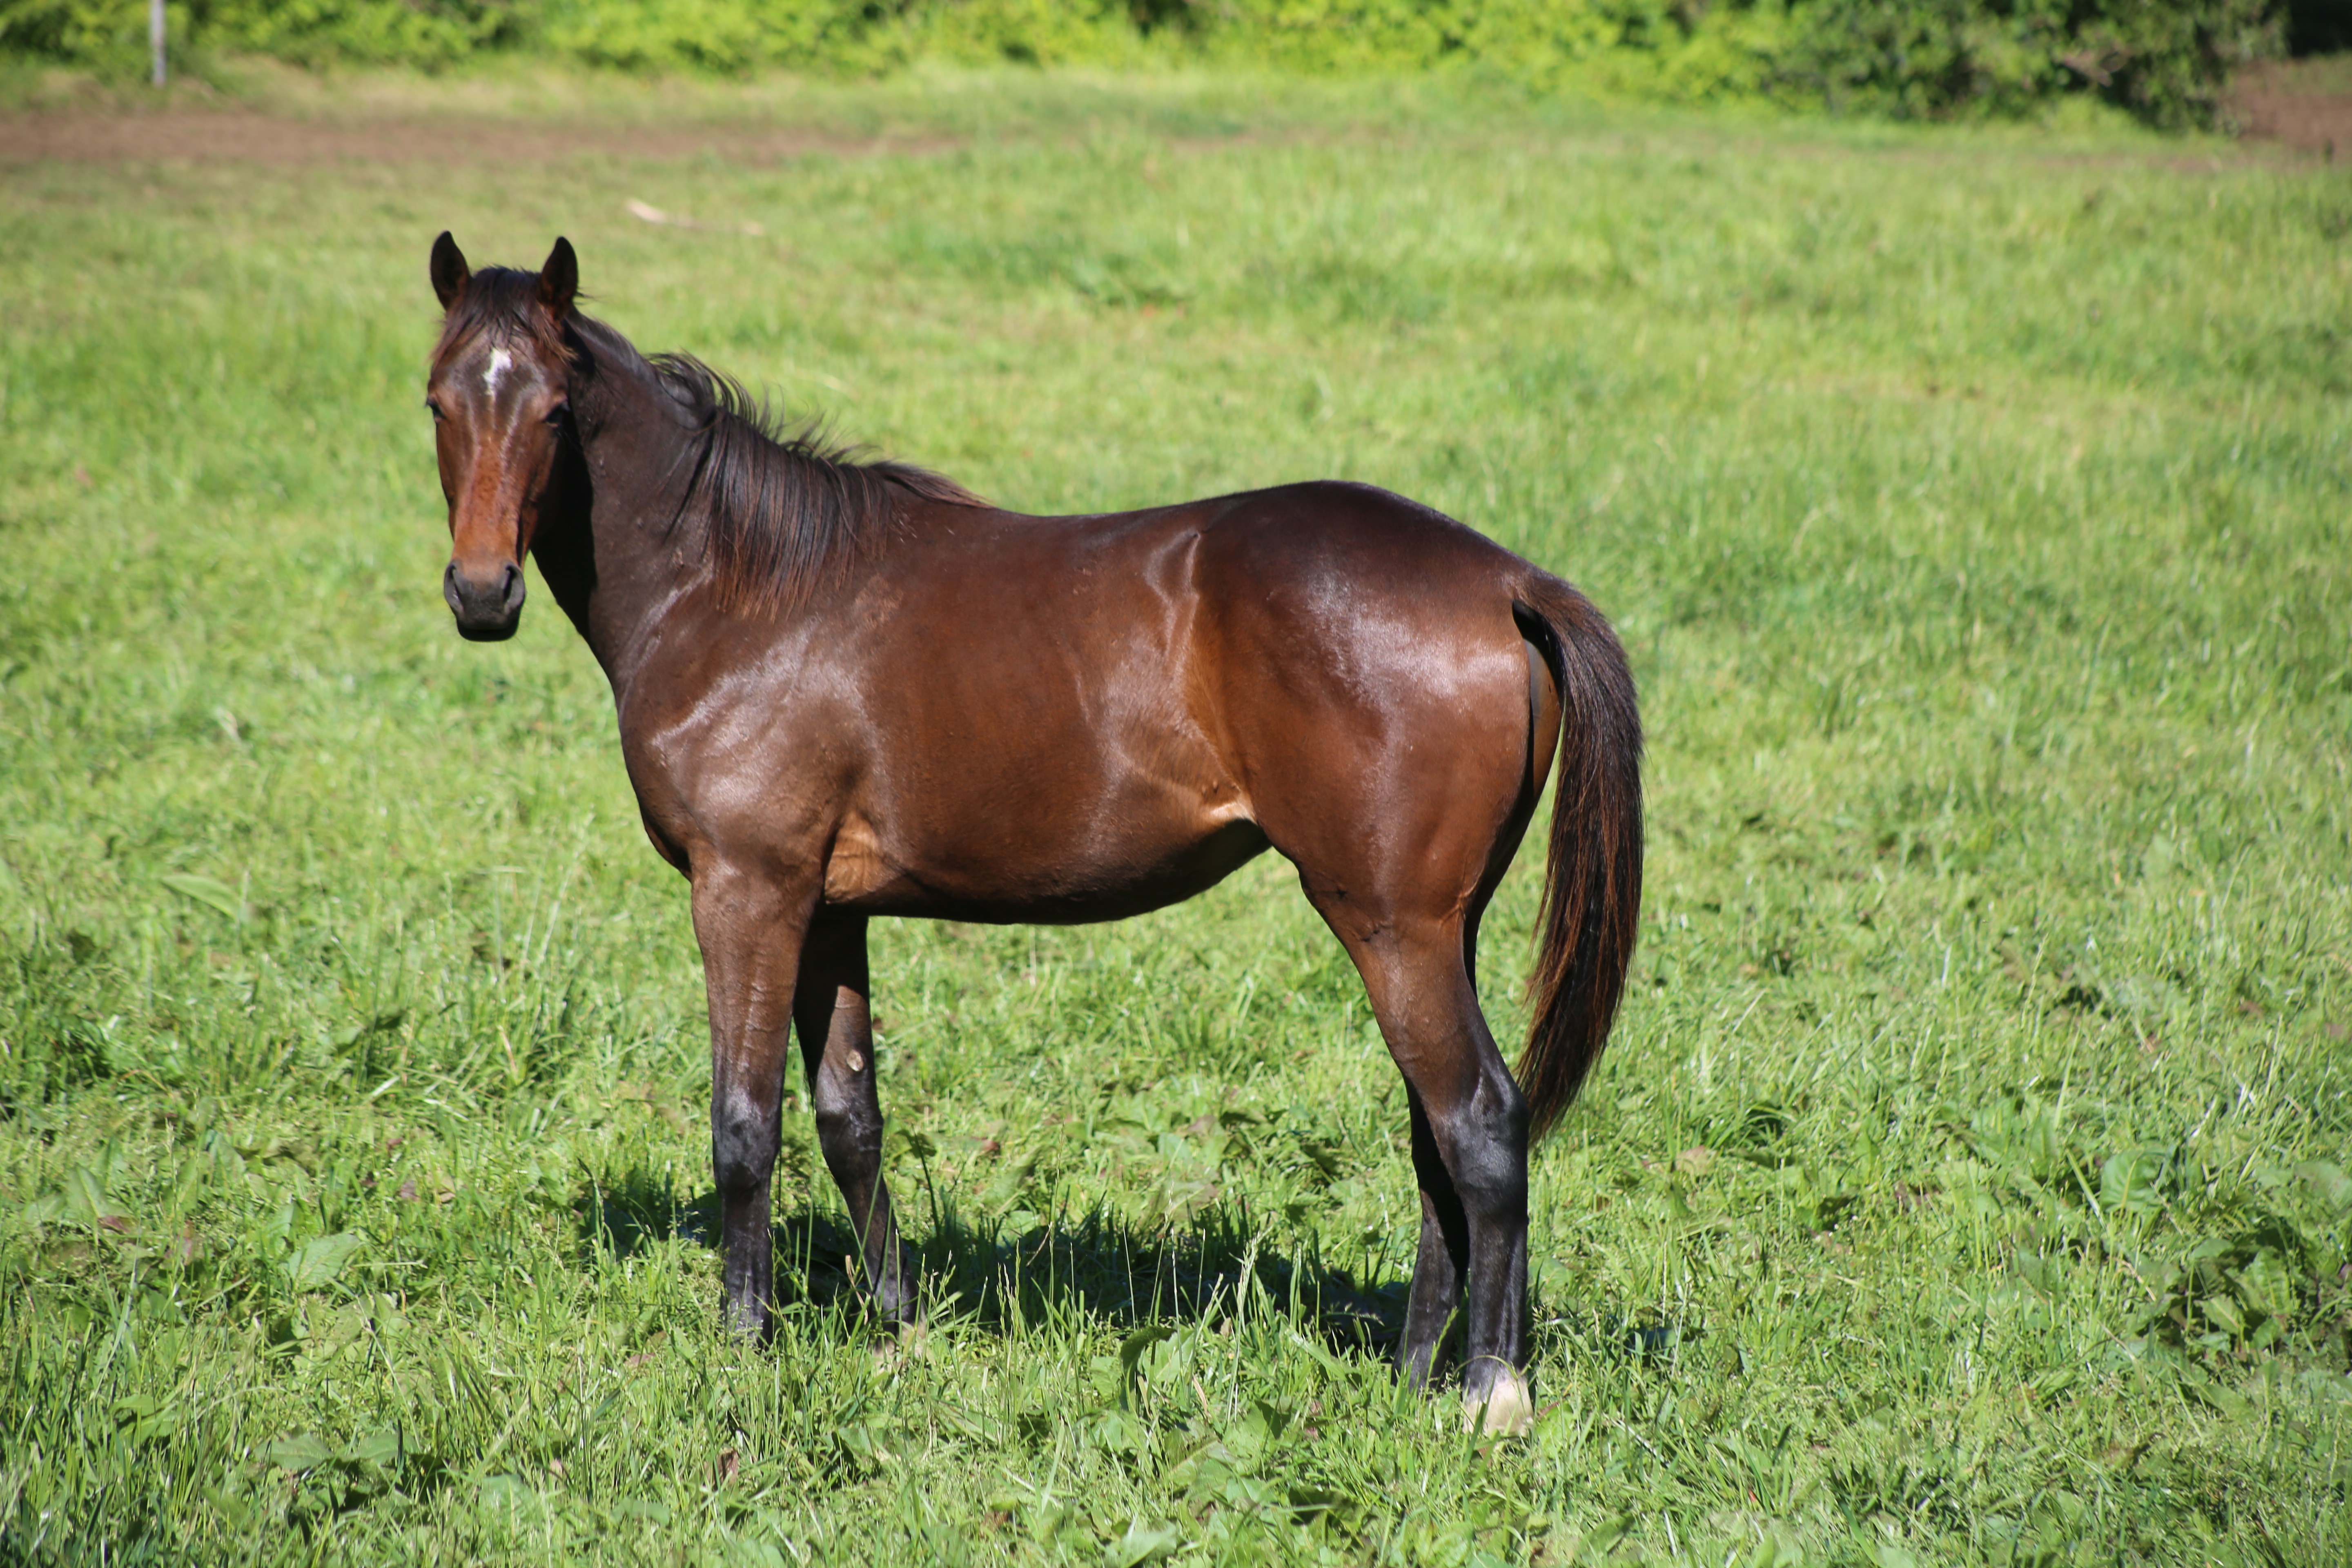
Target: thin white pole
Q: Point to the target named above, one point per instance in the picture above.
(155, 36)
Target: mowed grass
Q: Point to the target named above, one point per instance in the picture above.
(1966, 1180)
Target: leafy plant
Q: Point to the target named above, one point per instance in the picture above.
(2166, 62)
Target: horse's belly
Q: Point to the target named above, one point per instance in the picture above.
(1018, 875)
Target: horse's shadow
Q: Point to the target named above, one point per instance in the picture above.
(1102, 1269)
(1095, 1267)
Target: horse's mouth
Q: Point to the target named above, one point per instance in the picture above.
(488, 631)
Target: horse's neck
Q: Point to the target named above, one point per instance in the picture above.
(607, 558)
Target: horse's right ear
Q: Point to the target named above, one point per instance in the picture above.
(450, 273)
(559, 279)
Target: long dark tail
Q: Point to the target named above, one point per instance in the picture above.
(1592, 881)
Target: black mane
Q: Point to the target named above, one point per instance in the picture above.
(778, 508)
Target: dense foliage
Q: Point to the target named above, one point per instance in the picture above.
(2163, 60)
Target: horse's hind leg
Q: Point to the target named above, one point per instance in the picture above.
(831, 1012)
(1469, 1148)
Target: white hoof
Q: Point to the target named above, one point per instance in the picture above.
(1508, 1410)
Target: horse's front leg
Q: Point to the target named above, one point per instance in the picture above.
(835, 1022)
(750, 926)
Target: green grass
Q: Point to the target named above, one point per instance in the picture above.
(1965, 1182)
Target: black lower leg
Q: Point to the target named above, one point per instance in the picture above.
(749, 1260)
(744, 1157)
(1433, 1311)
(1490, 1172)
(853, 1153)
(836, 1034)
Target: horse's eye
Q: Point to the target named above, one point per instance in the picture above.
(559, 413)
(434, 404)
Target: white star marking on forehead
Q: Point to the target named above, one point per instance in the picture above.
(500, 361)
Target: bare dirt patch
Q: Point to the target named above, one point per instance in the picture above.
(244, 136)
(2307, 104)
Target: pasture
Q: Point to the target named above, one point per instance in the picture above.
(1966, 1180)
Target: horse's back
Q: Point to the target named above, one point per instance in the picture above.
(1346, 596)
(1354, 536)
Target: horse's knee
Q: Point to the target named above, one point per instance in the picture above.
(848, 1121)
(850, 1136)
(743, 1145)
(1485, 1140)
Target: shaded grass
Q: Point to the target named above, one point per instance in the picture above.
(1966, 1178)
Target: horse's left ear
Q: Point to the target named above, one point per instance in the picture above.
(559, 279)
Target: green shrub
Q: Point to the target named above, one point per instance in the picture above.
(1032, 32)
(110, 35)
(2164, 61)
(113, 34)
(687, 35)
(385, 32)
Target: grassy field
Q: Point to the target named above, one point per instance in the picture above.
(1967, 1182)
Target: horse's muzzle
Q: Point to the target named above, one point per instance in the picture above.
(485, 612)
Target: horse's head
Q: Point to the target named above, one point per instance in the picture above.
(499, 393)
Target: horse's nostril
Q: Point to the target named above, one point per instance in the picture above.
(479, 604)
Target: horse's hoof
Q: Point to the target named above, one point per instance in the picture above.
(911, 1340)
(1505, 1410)
(747, 1322)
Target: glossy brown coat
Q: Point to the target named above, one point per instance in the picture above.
(851, 690)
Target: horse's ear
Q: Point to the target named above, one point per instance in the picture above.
(559, 279)
(450, 273)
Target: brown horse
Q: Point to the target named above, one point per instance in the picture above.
(849, 689)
